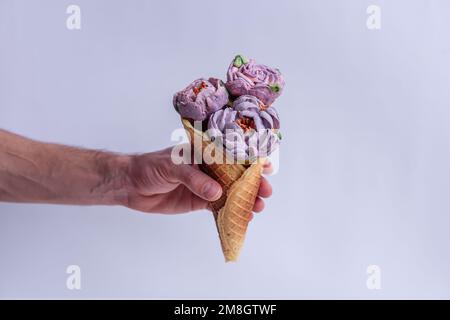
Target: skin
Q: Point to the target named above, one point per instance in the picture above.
(37, 172)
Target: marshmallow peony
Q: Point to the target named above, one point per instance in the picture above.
(246, 77)
(201, 98)
(248, 130)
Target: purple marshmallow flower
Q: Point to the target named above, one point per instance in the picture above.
(248, 130)
(246, 77)
(200, 99)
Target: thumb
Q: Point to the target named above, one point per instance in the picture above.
(198, 182)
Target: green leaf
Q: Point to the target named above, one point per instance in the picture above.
(275, 87)
(279, 135)
(239, 60)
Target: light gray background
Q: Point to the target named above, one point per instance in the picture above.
(364, 171)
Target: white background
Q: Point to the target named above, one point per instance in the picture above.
(364, 170)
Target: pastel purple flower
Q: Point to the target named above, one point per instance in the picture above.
(248, 130)
(246, 77)
(200, 99)
(251, 107)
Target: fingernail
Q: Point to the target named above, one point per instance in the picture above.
(211, 191)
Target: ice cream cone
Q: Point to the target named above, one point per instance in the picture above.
(240, 184)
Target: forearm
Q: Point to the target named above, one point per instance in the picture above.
(32, 171)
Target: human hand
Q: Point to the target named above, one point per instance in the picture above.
(155, 184)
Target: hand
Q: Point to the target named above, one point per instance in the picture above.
(156, 184)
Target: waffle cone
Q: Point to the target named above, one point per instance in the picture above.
(240, 185)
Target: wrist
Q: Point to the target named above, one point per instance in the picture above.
(116, 179)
